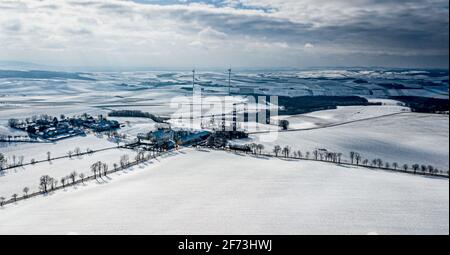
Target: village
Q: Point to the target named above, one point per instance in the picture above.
(50, 128)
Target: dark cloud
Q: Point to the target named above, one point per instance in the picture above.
(361, 31)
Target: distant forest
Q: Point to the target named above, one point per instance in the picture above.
(424, 104)
(136, 114)
(42, 75)
(299, 105)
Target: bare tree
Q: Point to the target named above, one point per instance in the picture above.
(395, 165)
(374, 162)
(365, 162)
(260, 147)
(82, 177)
(94, 168)
(423, 168)
(321, 156)
(105, 169)
(124, 161)
(45, 182)
(77, 151)
(352, 156)
(276, 150)
(137, 158)
(339, 157)
(49, 156)
(431, 169)
(254, 147)
(25, 191)
(53, 183)
(2, 201)
(316, 154)
(73, 176)
(379, 163)
(286, 151)
(284, 124)
(405, 167)
(415, 167)
(21, 158)
(14, 197)
(357, 158)
(69, 154)
(3, 161)
(99, 168)
(13, 122)
(63, 181)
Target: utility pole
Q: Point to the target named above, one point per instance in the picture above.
(193, 79)
(195, 96)
(229, 81)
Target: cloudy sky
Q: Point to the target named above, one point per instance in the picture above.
(220, 33)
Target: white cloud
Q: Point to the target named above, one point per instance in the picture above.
(308, 46)
(211, 33)
(92, 32)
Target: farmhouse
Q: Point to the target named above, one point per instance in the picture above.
(167, 138)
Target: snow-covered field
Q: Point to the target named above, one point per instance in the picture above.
(135, 126)
(407, 138)
(38, 151)
(195, 192)
(236, 194)
(340, 115)
(13, 181)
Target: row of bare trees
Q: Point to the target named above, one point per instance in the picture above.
(16, 138)
(379, 163)
(14, 161)
(76, 152)
(355, 159)
(99, 169)
(285, 151)
(19, 161)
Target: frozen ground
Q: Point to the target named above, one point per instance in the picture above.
(197, 192)
(13, 181)
(38, 151)
(98, 93)
(407, 138)
(135, 126)
(206, 192)
(340, 115)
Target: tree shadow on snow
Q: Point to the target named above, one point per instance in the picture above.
(203, 150)
(289, 159)
(101, 182)
(259, 157)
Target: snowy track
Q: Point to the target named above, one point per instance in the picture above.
(330, 125)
